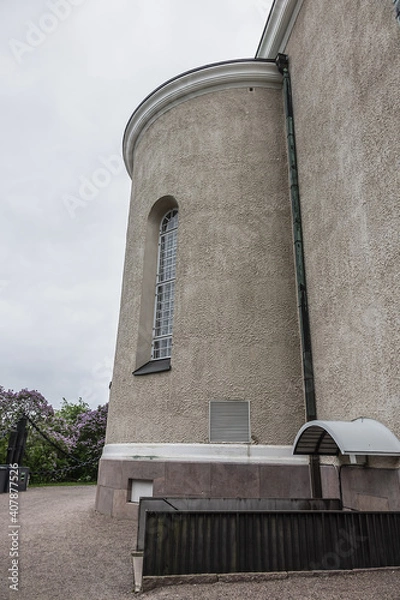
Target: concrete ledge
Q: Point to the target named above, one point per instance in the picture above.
(234, 577)
(150, 583)
(247, 453)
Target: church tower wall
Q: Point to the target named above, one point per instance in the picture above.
(217, 154)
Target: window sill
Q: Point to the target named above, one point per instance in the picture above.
(154, 366)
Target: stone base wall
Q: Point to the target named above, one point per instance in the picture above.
(366, 488)
(196, 479)
(360, 488)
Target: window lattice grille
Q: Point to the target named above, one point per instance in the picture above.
(165, 286)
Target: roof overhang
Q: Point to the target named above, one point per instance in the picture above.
(210, 78)
(278, 28)
(359, 437)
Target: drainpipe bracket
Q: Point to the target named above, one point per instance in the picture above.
(282, 62)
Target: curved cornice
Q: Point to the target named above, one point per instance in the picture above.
(231, 74)
(278, 28)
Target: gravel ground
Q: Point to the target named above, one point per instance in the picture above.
(67, 551)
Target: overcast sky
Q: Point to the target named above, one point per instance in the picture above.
(72, 73)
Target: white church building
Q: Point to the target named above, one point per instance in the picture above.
(258, 344)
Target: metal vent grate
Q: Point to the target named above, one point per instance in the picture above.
(230, 421)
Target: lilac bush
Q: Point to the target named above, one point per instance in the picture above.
(25, 402)
(73, 436)
(88, 439)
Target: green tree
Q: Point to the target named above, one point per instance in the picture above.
(70, 411)
(62, 445)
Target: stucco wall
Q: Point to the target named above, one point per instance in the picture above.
(222, 157)
(345, 68)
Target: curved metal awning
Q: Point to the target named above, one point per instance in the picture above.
(359, 437)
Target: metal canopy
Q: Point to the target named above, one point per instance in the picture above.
(359, 437)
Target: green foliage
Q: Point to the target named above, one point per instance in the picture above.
(62, 445)
(70, 412)
(44, 461)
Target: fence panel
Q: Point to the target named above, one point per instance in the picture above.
(193, 542)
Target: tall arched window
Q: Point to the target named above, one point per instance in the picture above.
(165, 286)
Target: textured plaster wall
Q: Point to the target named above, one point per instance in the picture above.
(345, 67)
(222, 157)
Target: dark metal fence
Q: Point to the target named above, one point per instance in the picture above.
(167, 504)
(182, 542)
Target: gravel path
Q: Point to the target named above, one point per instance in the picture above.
(67, 551)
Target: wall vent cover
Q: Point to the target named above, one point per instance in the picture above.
(230, 421)
(140, 488)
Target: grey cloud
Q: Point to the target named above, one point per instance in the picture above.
(64, 104)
